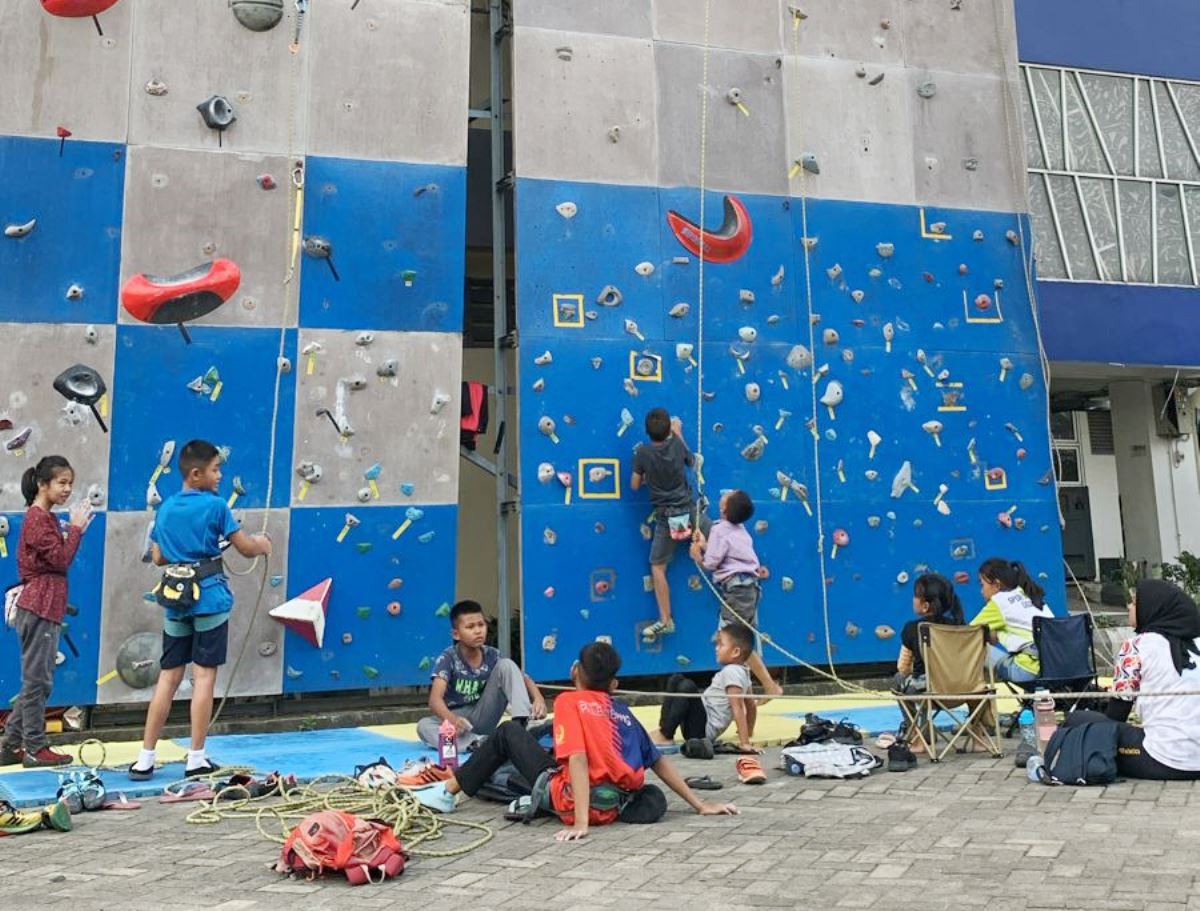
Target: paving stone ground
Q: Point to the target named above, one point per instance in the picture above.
(968, 833)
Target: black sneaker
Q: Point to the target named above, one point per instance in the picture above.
(136, 774)
(209, 768)
(815, 730)
(698, 748)
(11, 755)
(900, 757)
(1024, 752)
(846, 733)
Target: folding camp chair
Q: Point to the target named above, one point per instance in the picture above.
(955, 670)
(1066, 651)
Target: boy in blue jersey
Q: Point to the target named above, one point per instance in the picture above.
(187, 534)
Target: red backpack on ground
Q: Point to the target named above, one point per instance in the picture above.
(332, 840)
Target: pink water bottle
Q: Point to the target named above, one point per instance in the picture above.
(447, 745)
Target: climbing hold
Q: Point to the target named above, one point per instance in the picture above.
(871, 474)
(276, 580)
(20, 230)
(734, 97)
(1012, 237)
(799, 358)
(727, 243)
(631, 327)
(874, 439)
(543, 359)
(902, 577)
(423, 538)
(610, 296)
(363, 611)
(548, 428)
(760, 526)
(549, 642)
(777, 278)
(364, 339)
(425, 663)
(630, 386)
(885, 250)
(394, 608)
(1006, 365)
(321, 248)
(748, 334)
(1026, 380)
(841, 538)
(927, 90)
(257, 15)
(786, 583)
(545, 472)
(439, 401)
(753, 392)
(753, 451)
(834, 272)
(395, 583)
(91, 335)
(857, 296)
(181, 298)
(305, 614)
(644, 268)
(75, 293)
(549, 536)
(983, 302)
(347, 638)
(679, 311)
(934, 429)
(873, 521)
(217, 113)
(830, 337)
(683, 660)
(566, 209)
(156, 87)
(832, 397)
(83, 385)
(851, 630)
(1012, 428)
(614, 134)
(883, 631)
(808, 161)
(903, 481)
(875, 80)
(626, 421)
(95, 495)
(364, 494)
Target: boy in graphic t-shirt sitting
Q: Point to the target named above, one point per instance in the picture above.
(597, 773)
(473, 685)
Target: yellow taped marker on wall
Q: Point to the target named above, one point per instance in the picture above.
(216, 393)
(402, 529)
(312, 365)
(102, 405)
(3, 548)
(304, 485)
(106, 678)
(374, 488)
(742, 107)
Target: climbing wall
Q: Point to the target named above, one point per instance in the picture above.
(861, 356)
(330, 375)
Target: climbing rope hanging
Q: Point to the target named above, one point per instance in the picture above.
(830, 674)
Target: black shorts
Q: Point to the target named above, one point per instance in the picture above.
(207, 649)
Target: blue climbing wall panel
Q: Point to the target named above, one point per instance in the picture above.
(963, 353)
(323, 155)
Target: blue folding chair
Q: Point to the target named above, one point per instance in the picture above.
(1066, 651)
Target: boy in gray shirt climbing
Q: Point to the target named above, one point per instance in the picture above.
(661, 465)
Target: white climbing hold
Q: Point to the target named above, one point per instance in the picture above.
(889, 333)
(777, 278)
(834, 272)
(566, 209)
(679, 310)
(830, 336)
(543, 359)
(874, 439)
(885, 250)
(440, 400)
(748, 334)
(644, 268)
(545, 472)
(903, 481)
(934, 429)
(609, 296)
(75, 293)
(832, 397)
(20, 230)
(753, 392)
(857, 296)
(799, 358)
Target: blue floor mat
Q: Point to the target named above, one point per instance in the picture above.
(877, 719)
(305, 754)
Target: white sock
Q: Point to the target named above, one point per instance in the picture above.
(196, 759)
(145, 759)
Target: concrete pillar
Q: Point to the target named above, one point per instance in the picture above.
(1157, 477)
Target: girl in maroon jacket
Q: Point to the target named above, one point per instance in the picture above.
(43, 555)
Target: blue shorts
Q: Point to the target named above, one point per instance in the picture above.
(203, 641)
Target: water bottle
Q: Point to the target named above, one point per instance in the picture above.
(1028, 731)
(1045, 720)
(1035, 768)
(448, 745)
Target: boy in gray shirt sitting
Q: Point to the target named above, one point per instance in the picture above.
(703, 720)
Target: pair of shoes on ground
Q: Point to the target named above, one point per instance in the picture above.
(900, 757)
(821, 730)
(42, 759)
(56, 816)
(202, 771)
(657, 630)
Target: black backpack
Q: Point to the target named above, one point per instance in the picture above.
(1084, 754)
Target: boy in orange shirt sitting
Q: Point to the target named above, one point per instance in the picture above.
(597, 772)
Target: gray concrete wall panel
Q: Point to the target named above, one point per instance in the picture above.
(565, 110)
(57, 427)
(850, 30)
(861, 134)
(379, 91)
(745, 25)
(198, 50)
(183, 208)
(631, 18)
(60, 72)
(126, 612)
(961, 157)
(392, 418)
(745, 149)
(976, 38)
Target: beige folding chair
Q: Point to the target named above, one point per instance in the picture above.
(955, 667)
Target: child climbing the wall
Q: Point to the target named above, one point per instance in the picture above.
(702, 721)
(44, 553)
(473, 685)
(661, 465)
(728, 553)
(596, 773)
(194, 592)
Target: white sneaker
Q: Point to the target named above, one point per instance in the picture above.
(437, 798)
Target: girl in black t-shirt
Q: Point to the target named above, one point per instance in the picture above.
(934, 601)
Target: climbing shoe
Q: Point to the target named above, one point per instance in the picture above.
(900, 757)
(657, 630)
(44, 758)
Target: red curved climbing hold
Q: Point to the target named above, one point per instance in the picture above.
(181, 298)
(77, 9)
(727, 243)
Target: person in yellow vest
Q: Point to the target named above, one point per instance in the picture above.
(1013, 600)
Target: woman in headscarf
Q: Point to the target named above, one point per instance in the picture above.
(1163, 657)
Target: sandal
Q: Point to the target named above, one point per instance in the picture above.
(750, 770)
(703, 783)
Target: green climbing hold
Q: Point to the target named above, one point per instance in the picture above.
(683, 660)
(584, 613)
(363, 612)
(443, 610)
(424, 664)
(370, 672)
(363, 546)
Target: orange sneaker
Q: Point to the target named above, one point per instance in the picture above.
(750, 770)
(423, 776)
